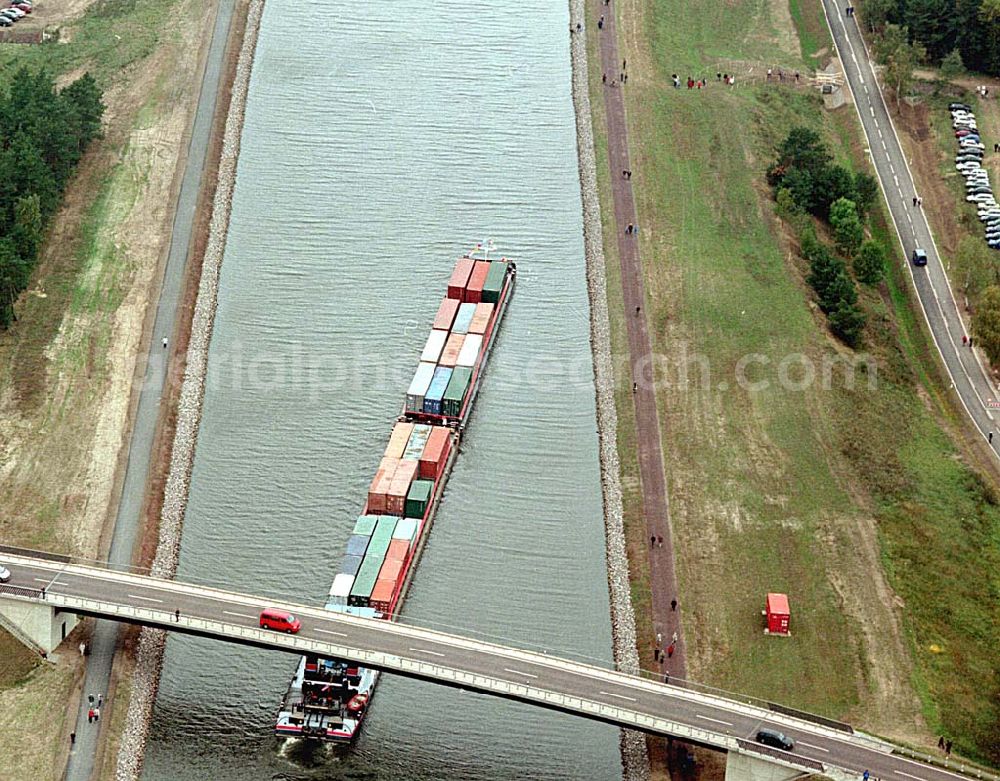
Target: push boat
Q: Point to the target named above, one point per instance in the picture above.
(328, 699)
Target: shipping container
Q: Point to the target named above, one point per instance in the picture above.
(435, 453)
(383, 594)
(398, 549)
(460, 278)
(349, 565)
(418, 387)
(400, 487)
(454, 394)
(341, 589)
(357, 544)
(372, 563)
(418, 498)
(481, 319)
(446, 313)
(474, 290)
(391, 568)
(433, 346)
(432, 401)
(452, 349)
(406, 529)
(494, 281)
(398, 439)
(464, 319)
(380, 485)
(471, 348)
(365, 525)
(415, 447)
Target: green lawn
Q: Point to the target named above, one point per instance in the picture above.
(847, 499)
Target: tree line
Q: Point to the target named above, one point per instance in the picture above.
(807, 183)
(963, 32)
(43, 134)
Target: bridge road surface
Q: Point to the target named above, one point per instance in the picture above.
(937, 300)
(724, 717)
(104, 641)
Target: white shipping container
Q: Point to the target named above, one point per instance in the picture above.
(406, 529)
(434, 345)
(341, 589)
(418, 387)
(470, 350)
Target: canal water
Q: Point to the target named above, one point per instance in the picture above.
(381, 141)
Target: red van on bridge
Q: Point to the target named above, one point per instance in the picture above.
(279, 620)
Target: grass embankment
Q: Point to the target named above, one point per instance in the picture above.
(850, 500)
(66, 366)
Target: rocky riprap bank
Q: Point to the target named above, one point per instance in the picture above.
(149, 656)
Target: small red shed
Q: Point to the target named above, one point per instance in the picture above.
(778, 615)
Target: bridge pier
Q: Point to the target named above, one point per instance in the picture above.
(745, 767)
(38, 625)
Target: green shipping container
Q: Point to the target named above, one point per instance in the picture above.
(372, 562)
(493, 285)
(454, 394)
(415, 444)
(418, 498)
(365, 525)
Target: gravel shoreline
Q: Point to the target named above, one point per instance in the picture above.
(635, 758)
(149, 655)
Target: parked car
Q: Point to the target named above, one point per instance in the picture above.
(9, 15)
(4, 574)
(960, 107)
(17, 11)
(775, 739)
(5, 21)
(919, 257)
(22, 7)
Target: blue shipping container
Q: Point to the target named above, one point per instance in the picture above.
(432, 401)
(350, 565)
(357, 544)
(463, 319)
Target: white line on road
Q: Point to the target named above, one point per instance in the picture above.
(425, 651)
(147, 599)
(872, 109)
(709, 718)
(810, 745)
(331, 632)
(619, 696)
(519, 672)
(240, 615)
(900, 772)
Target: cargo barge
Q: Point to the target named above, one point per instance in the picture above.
(327, 699)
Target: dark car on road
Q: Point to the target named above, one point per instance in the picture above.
(775, 739)
(919, 257)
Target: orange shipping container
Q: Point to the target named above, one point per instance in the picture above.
(451, 350)
(391, 569)
(460, 278)
(474, 290)
(435, 453)
(398, 550)
(398, 439)
(379, 489)
(480, 319)
(400, 486)
(382, 595)
(446, 313)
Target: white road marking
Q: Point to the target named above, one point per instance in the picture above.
(425, 651)
(619, 696)
(709, 718)
(518, 672)
(240, 615)
(147, 599)
(872, 109)
(810, 745)
(331, 632)
(900, 772)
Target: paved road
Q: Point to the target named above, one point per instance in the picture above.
(127, 522)
(430, 655)
(935, 293)
(652, 474)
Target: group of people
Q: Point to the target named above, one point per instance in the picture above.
(725, 78)
(94, 711)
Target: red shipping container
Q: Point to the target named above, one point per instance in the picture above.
(395, 503)
(778, 614)
(398, 439)
(451, 350)
(398, 551)
(481, 318)
(383, 594)
(377, 492)
(446, 313)
(391, 569)
(460, 278)
(474, 290)
(435, 453)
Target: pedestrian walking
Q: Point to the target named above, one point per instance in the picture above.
(97, 714)
(604, 78)
(989, 437)
(674, 638)
(82, 648)
(624, 174)
(914, 200)
(659, 541)
(947, 747)
(164, 343)
(796, 77)
(637, 310)
(72, 738)
(670, 651)
(996, 147)
(177, 615)
(624, 78)
(630, 229)
(100, 700)
(673, 605)
(90, 716)
(635, 387)
(656, 653)
(659, 642)
(718, 76)
(769, 72)
(652, 540)
(920, 202)
(624, 62)
(941, 742)
(865, 775)
(970, 342)
(600, 23)
(965, 340)
(666, 677)
(90, 700)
